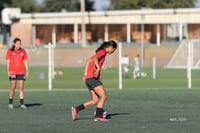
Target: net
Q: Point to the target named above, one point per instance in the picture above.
(180, 57)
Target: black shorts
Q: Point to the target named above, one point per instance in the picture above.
(91, 83)
(17, 77)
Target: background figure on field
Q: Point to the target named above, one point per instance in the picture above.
(136, 70)
(16, 63)
(125, 64)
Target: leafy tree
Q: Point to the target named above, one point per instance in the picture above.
(155, 4)
(26, 5)
(3, 4)
(57, 5)
(88, 5)
(69, 5)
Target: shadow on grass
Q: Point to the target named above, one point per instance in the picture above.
(33, 104)
(107, 117)
(114, 114)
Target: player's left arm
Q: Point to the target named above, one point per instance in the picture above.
(26, 67)
(86, 68)
(100, 54)
(96, 62)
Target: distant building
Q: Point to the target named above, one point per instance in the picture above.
(125, 25)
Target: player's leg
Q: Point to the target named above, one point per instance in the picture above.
(21, 93)
(126, 70)
(100, 91)
(93, 101)
(136, 73)
(124, 73)
(137, 70)
(12, 92)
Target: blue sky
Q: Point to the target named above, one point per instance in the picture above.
(198, 4)
(101, 4)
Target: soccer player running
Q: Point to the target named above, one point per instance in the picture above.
(92, 81)
(16, 60)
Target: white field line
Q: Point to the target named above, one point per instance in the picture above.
(36, 90)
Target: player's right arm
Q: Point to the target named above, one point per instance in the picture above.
(8, 66)
(8, 62)
(86, 68)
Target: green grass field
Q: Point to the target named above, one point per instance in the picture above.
(72, 79)
(144, 105)
(129, 110)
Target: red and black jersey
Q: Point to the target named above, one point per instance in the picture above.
(16, 58)
(91, 70)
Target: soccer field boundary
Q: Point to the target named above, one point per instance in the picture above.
(39, 90)
(130, 110)
(109, 89)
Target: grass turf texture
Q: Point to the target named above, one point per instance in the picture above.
(72, 79)
(130, 111)
(144, 106)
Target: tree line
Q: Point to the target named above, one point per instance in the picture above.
(74, 5)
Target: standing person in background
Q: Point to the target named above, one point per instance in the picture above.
(125, 64)
(16, 60)
(136, 70)
(92, 80)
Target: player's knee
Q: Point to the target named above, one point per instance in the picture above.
(20, 89)
(95, 101)
(13, 89)
(104, 97)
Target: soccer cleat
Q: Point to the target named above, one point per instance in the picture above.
(104, 114)
(74, 113)
(10, 106)
(100, 119)
(23, 106)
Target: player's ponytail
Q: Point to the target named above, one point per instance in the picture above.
(107, 44)
(14, 41)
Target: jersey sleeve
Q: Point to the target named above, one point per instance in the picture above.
(101, 53)
(25, 55)
(8, 55)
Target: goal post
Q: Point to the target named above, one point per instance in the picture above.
(120, 65)
(50, 65)
(187, 56)
(180, 58)
(189, 64)
(154, 68)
